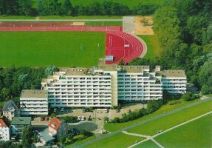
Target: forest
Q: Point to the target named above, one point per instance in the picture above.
(65, 7)
(184, 30)
(13, 80)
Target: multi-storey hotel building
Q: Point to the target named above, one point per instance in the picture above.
(79, 87)
(173, 81)
(105, 85)
(136, 83)
(34, 102)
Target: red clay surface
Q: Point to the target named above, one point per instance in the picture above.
(122, 46)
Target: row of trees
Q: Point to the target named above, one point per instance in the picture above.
(152, 106)
(14, 80)
(65, 7)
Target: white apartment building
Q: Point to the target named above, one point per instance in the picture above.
(34, 102)
(79, 87)
(137, 83)
(174, 81)
(4, 131)
(105, 85)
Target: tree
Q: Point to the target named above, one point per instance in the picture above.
(205, 77)
(66, 7)
(24, 7)
(27, 137)
(50, 70)
(154, 105)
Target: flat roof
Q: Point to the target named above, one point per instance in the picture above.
(107, 67)
(75, 71)
(21, 121)
(134, 69)
(32, 93)
(172, 73)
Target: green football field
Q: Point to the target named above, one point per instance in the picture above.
(51, 48)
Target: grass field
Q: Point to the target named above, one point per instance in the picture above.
(119, 140)
(195, 134)
(182, 113)
(147, 144)
(153, 46)
(166, 122)
(60, 17)
(108, 23)
(166, 108)
(47, 48)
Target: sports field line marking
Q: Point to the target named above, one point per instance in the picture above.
(135, 134)
(172, 128)
(144, 136)
(181, 124)
(157, 143)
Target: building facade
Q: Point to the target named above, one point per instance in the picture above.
(174, 81)
(34, 103)
(105, 85)
(137, 83)
(77, 87)
(4, 131)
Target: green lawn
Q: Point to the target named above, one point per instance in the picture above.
(60, 17)
(119, 140)
(147, 144)
(164, 118)
(169, 121)
(108, 23)
(153, 46)
(165, 108)
(47, 48)
(195, 134)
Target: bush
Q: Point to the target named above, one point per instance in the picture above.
(70, 119)
(189, 96)
(151, 107)
(154, 105)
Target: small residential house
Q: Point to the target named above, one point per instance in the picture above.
(18, 124)
(54, 126)
(55, 129)
(4, 131)
(10, 110)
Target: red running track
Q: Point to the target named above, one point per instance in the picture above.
(122, 46)
(61, 28)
